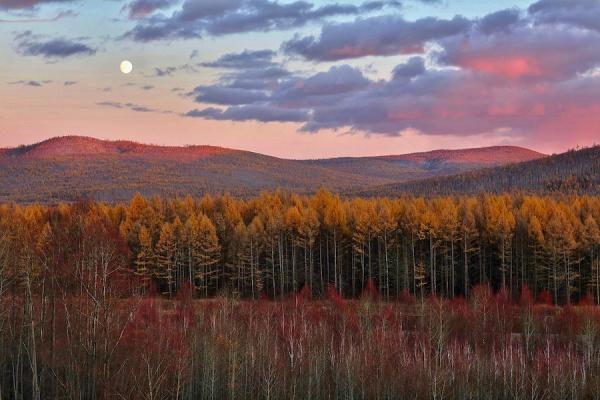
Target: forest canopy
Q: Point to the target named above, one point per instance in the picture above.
(280, 242)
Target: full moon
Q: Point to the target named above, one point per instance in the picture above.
(126, 67)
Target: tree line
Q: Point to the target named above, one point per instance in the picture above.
(280, 242)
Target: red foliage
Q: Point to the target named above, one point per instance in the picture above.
(458, 304)
(545, 298)
(526, 299)
(503, 297)
(263, 296)
(406, 297)
(482, 294)
(370, 291)
(568, 323)
(587, 300)
(306, 292)
(184, 305)
(334, 297)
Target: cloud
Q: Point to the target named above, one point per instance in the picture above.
(228, 95)
(70, 83)
(28, 44)
(142, 8)
(378, 5)
(147, 87)
(128, 106)
(431, 100)
(24, 4)
(251, 112)
(249, 76)
(375, 36)
(171, 70)
(580, 13)
(415, 66)
(29, 83)
(59, 16)
(196, 18)
(168, 71)
(245, 59)
(338, 80)
(525, 52)
(499, 21)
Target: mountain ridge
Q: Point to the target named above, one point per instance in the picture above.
(71, 167)
(62, 146)
(73, 145)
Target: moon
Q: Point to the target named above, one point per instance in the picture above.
(126, 67)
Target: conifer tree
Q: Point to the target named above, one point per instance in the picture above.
(591, 238)
(204, 253)
(166, 253)
(145, 259)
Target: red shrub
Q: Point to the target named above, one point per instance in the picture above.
(406, 297)
(370, 291)
(545, 298)
(587, 300)
(526, 299)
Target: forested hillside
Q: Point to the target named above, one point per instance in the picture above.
(70, 168)
(573, 172)
(424, 165)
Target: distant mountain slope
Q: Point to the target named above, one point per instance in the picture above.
(68, 168)
(71, 146)
(428, 164)
(71, 167)
(570, 172)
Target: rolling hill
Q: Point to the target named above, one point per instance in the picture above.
(573, 172)
(399, 168)
(70, 167)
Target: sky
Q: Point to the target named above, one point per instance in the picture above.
(304, 78)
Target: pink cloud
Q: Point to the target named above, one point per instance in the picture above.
(524, 53)
(511, 67)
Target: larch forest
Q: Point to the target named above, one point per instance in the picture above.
(288, 296)
(299, 200)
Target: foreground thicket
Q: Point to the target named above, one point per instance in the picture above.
(103, 301)
(279, 242)
(147, 347)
